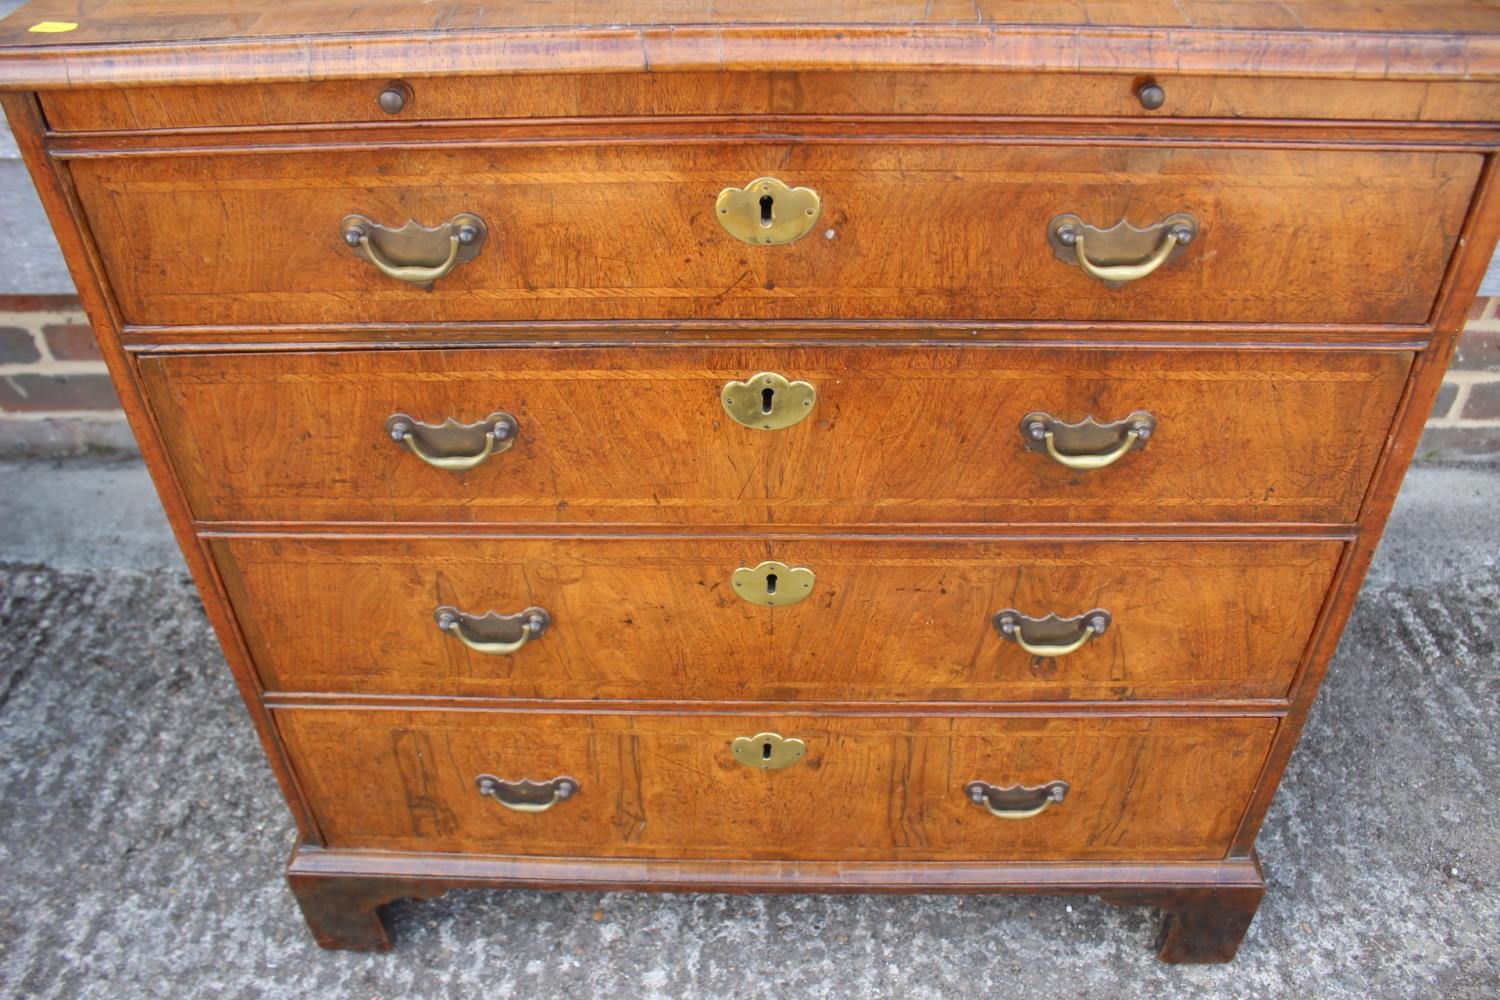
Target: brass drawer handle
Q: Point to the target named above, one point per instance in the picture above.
(1050, 636)
(1122, 253)
(404, 253)
(1017, 801)
(1086, 445)
(527, 796)
(451, 445)
(767, 212)
(491, 633)
(767, 401)
(767, 751)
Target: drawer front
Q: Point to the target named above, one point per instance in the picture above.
(918, 231)
(930, 434)
(865, 788)
(587, 95)
(886, 620)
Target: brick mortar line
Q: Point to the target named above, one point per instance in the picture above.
(1467, 377)
(83, 416)
(51, 366)
(44, 316)
(1459, 423)
(1456, 408)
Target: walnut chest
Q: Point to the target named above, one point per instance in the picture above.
(847, 446)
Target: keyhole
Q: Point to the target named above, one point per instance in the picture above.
(765, 751)
(770, 583)
(766, 395)
(766, 201)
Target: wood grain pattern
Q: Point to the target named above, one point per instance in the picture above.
(898, 435)
(867, 788)
(853, 94)
(138, 42)
(953, 231)
(1200, 925)
(895, 620)
(1341, 156)
(738, 875)
(141, 21)
(343, 892)
(1114, 133)
(1480, 237)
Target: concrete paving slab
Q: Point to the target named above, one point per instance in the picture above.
(80, 513)
(142, 837)
(1446, 524)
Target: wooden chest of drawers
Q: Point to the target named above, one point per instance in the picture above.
(860, 447)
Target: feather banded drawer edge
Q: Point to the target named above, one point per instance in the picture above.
(854, 448)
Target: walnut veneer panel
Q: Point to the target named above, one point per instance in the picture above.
(140, 42)
(1338, 158)
(920, 231)
(138, 21)
(867, 788)
(923, 434)
(762, 93)
(892, 620)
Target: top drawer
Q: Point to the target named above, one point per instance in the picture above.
(588, 95)
(961, 231)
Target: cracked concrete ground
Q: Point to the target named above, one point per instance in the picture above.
(142, 838)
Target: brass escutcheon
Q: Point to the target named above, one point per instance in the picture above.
(772, 584)
(766, 401)
(768, 213)
(767, 751)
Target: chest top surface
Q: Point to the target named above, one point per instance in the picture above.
(70, 43)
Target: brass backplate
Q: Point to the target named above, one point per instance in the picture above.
(1121, 243)
(1050, 629)
(767, 213)
(416, 245)
(1016, 801)
(767, 401)
(772, 584)
(1088, 436)
(526, 795)
(450, 438)
(767, 751)
(492, 626)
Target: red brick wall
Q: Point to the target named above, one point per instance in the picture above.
(55, 397)
(1465, 422)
